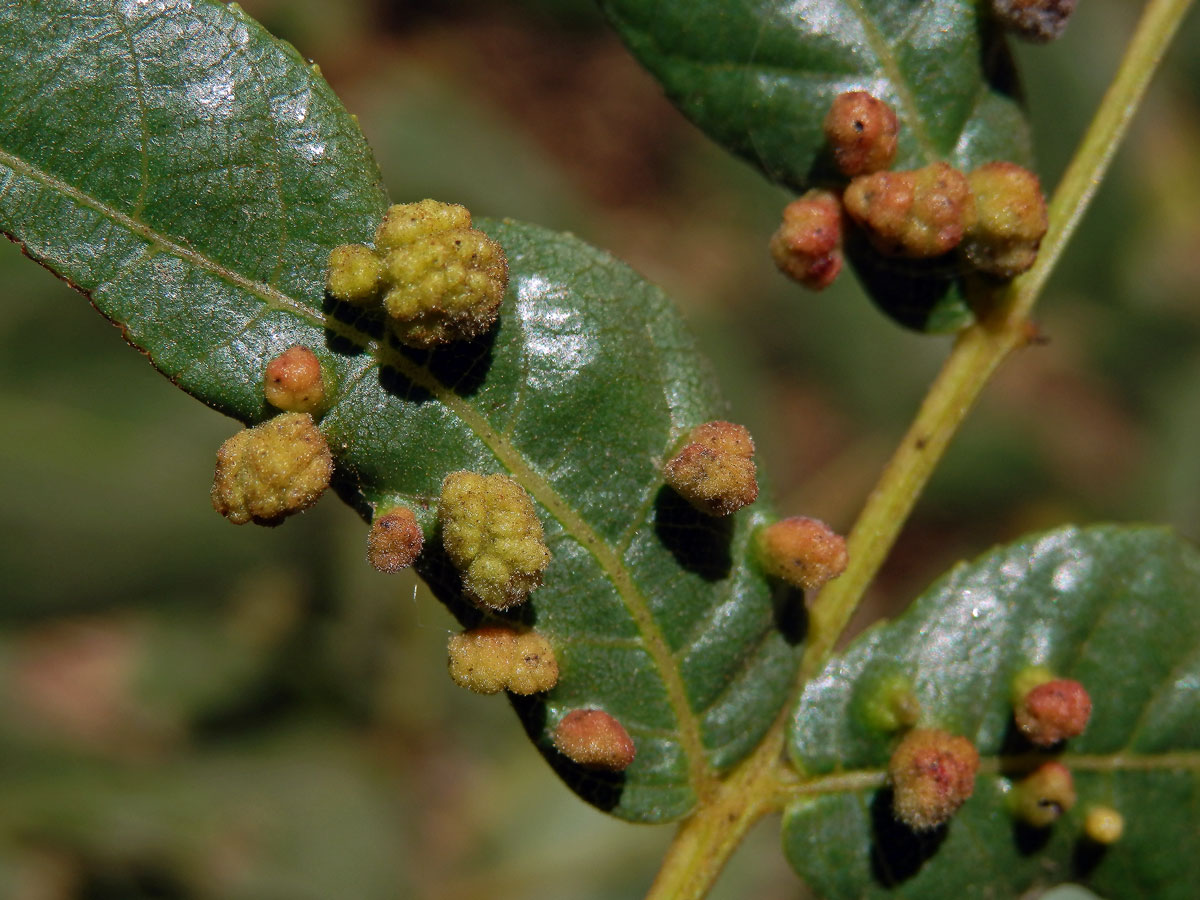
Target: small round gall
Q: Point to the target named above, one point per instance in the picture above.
(803, 552)
(932, 774)
(1103, 825)
(1038, 21)
(355, 274)
(920, 213)
(1041, 798)
(808, 245)
(272, 470)
(715, 470)
(491, 659)
(889, 703)
(293, 381)
(595, 740)
(1053, 711)
(863, 133)
(394, 541)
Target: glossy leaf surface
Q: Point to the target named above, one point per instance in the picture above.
(190, 174)
(1113, 607)
(759, 78)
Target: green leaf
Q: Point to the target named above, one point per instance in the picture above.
(759, 78)
(1113, 607)
(190, 174)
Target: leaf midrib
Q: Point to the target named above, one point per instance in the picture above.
(700, 776)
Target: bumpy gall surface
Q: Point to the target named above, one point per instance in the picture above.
(272, 470)
(293, 381)
(1038, 21)
(355, 274)
(715, 470)
(394, 541)
(491, 659)
(1044, 795)
(1054, 711)
(595, 740)
(491, 533)
(862, 131)
(919, 213)
(806, 553)
(932, 774)
(1010, 219)
(1104, 825)
(808, 245)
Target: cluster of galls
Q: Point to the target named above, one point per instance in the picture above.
(932, 772)
(994, 217)
(435, 277)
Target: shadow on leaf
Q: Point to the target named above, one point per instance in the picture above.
(898, 852)
(699, 543)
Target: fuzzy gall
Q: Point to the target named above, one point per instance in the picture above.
(293, 381)
(394, 541)
(932, 774)
(919, 213)
(803, 552)
(862, 132)
(807, 247)
(491, 659)
(595, 740)
(715, 470)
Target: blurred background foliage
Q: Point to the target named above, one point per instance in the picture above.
(194, 710)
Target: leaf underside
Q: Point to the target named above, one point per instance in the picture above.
(1113, 607)
(759, 77)
(190, 174)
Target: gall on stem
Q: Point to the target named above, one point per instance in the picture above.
(491, 659)
(862, 131)
(492, 535)
(932, 773)
(272, 470)
(807, 247)
(595, 740)
(715, 470)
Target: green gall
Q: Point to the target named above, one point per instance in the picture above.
(272, 470)
(715, 470)
(1053, 711)
(920, 213)
(862, 131)
(803, 552)
(491, 659)
(1009, 221)
(1038, 21)
(355, 274)
(889, 703)
(808, 245)
(932, 774)
(394, 541)
(1044, 795)
(1103, 825)
(293, 381)
(1026, 679)
(491, 533)
(595, 740)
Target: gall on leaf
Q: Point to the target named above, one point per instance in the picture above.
(919, 213)
(888, 702)
(1103, 825)
(394, 541)
(932, 774)
(294, 382)
(862, 131)
(272, 470)
(807, 247)
(803, 552)
(595, 740)
(1040, 798)
(355, 274)
(715, 470)
(1009, 222)
(491, 533)
(1053, 711)
(1039, 21)
(494, 658)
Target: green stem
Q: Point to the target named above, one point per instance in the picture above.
(762, 783)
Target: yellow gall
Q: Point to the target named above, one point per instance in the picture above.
(355, 273)
(715, 470)
(491, 533)
(932, 774)
(272, 470)
(394, 541)
(1043, 796)
(862, 131)
(294, 382)
(919, 213)
(1039, 21)
(595, 740)
(808, 245)
(491, 659)
(1054, 711)
(1104, 825)
(803, 552)
(445, 279)
(1010, 219)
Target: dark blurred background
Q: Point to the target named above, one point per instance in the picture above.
(194, 710)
